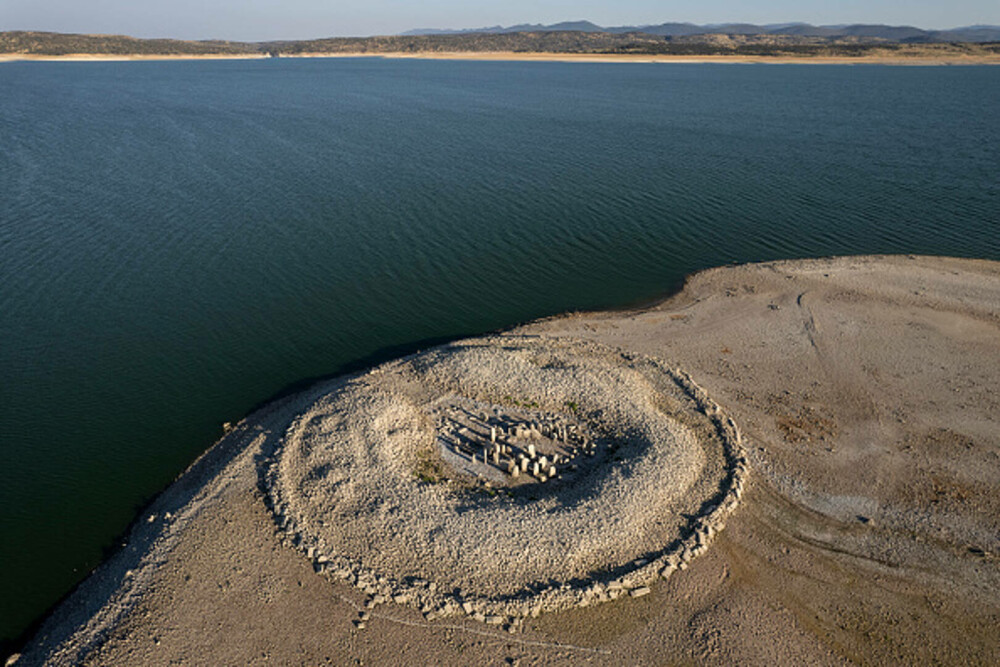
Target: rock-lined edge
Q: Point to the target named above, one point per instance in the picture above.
(510, 611)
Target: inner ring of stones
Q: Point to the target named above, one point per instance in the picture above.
(506, 476)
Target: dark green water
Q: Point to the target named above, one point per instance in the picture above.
(179, 241)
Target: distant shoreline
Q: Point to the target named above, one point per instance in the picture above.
(535, 57)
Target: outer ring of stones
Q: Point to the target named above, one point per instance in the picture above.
(435, 603)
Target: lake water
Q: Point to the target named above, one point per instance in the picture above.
(179, 241)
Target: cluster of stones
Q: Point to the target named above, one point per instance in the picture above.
(498, 446)
(510, 612)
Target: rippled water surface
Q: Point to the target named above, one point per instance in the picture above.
(179, 241)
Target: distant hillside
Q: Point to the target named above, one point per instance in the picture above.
(554, 42)
(60, 44)
(622, 43)
(904, 34)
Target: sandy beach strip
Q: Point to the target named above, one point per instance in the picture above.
(500, 56)
(102, 57)
(864, 388)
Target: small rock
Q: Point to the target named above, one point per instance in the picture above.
(360, 625)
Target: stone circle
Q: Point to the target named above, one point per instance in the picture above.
(506, 476)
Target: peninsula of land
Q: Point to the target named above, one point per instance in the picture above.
(794, 461)
(563, 46)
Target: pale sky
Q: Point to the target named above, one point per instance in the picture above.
(254, 20)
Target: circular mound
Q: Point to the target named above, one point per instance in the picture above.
(505, 476)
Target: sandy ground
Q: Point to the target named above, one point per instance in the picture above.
(551, 57)
(88, 57)
(869, 531)
(630, 58)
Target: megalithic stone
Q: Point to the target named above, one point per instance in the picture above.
(493, 433)
(531, 451)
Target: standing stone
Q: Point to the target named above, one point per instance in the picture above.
(493, 433)
(531, 451)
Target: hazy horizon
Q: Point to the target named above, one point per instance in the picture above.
(262, 20)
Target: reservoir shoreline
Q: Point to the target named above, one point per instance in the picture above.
(802, 353)
(491, 56)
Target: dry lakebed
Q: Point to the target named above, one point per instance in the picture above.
(787, 462)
